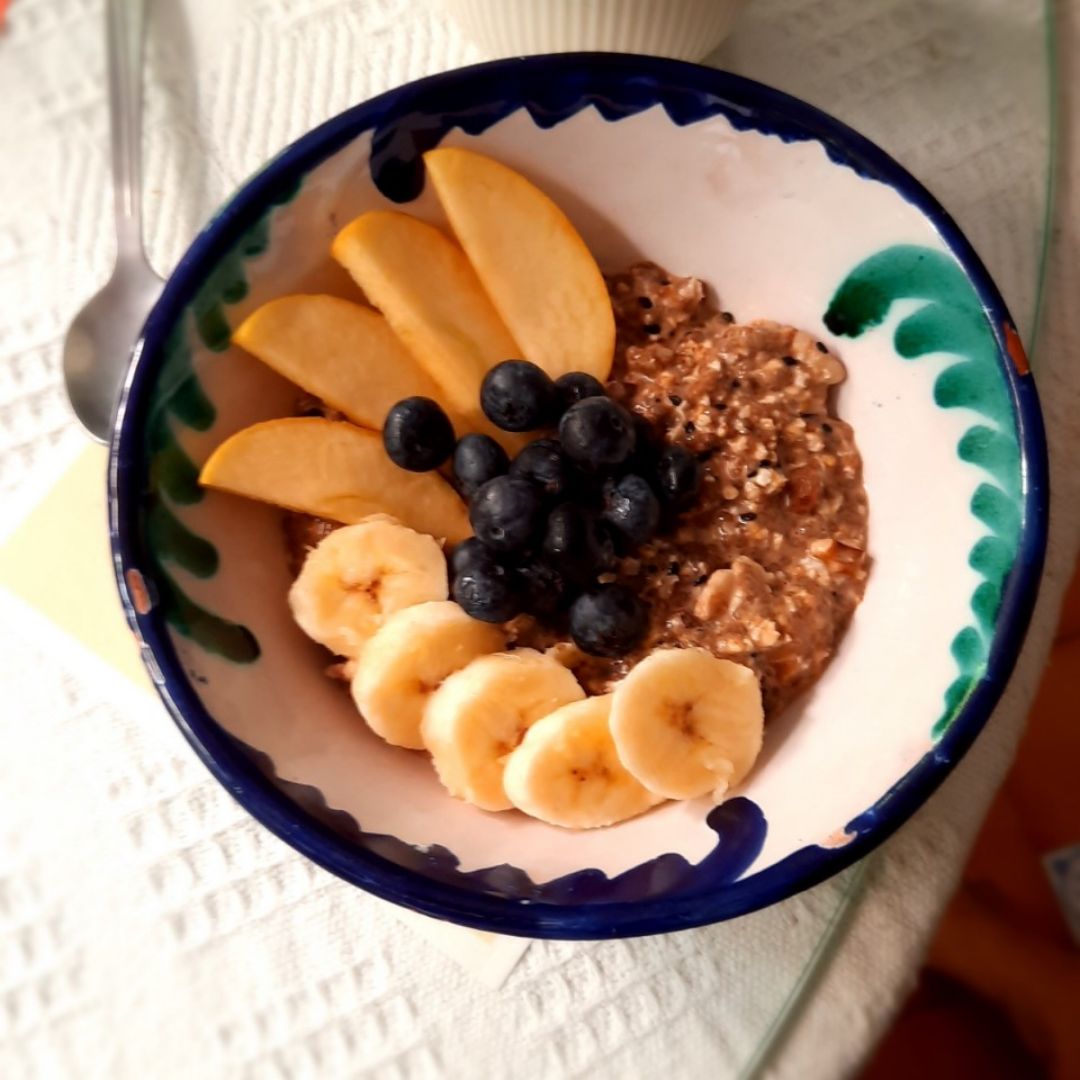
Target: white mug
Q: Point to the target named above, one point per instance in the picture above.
(684, 29)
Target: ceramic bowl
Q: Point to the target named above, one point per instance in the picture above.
(788, 215)
(682, 29)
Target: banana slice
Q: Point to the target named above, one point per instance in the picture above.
(686, 724)
(479, 715)
(408, 659)
(566, 771)
(358, 576)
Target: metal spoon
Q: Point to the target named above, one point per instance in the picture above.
(99, 342)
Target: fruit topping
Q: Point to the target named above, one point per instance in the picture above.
(642, 459)
(409, 658)
(516, 395)
(470, 554)
(538, 271)
(506, 513)
(542, 463)
(687, 724)
(576, 386)
(477, 459)
(544, 588)
(567, 771)
(332, 470)
(345, 355)
(418, 435)
(678, 477)
(430, 295)
(480, 714)
(577, 542)
(608, 621)
(358, 576)
(597, 433)
(556, 516)
(489, 591)
(631, 508)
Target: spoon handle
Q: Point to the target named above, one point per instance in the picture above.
(123, 50)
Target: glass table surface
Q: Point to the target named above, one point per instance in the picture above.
(961, 93)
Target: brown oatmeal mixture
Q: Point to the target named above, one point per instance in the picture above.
(304, 533)
(768, 566)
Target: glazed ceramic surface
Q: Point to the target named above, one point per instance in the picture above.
(787, 215)
(684, 29)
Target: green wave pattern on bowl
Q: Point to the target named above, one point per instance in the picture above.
(951, 320)
(179, 399)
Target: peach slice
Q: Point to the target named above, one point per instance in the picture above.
(424, 285)
(343, 353)
(537, 270)
(333, 470)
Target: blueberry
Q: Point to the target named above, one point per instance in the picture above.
(678, 477)
(597, 433)
(491, 593)
(477, 459)
(608, 621)
(543, 465)
(585, 487)
(576, 386)
(544, 587)
(469, 555)
(642, 458)
(516, 395)
(505, 513)
(631, 508)
(417, 434)
(577, 543)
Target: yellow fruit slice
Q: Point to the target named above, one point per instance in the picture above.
(411, 655)
(566, 770)
(424, 285)
(686, 723)
(480, 713)
(359, 577)
(343, 353)
(334, 470)
(537, 270)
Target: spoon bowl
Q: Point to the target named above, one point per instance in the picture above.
(100, 339)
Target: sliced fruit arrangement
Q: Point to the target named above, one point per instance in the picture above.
(550, 524)
(437, 332)
(344, 354)
(514, 728)
(486, 357)
(534, 265)
(567, 770)
(480, 714)
(333, 470)
(430, 294)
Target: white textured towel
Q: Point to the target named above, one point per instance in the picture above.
(147, 926)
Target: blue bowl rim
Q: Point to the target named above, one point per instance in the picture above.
(239, 774)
